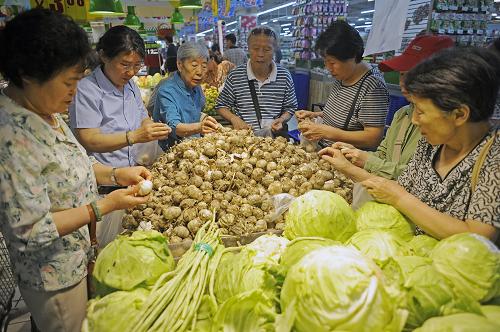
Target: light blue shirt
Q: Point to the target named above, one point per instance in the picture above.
(176, 103)
(99, 104)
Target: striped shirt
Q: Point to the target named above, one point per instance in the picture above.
(370, 108)
(276, 95)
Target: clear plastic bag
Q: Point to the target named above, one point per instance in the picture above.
(309, 145)
(265, 130)
(281, 203)
(145, 154)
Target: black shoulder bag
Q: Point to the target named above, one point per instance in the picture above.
(353, 106)
(283, 132)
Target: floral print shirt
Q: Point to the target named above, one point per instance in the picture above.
(42, 171)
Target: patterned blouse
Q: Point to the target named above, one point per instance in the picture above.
(452, 194)
(42, 171)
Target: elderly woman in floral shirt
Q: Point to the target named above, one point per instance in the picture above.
(48, 184)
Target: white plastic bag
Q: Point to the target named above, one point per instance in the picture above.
(109, 227)
(265, 130)
(145, 154)
(309, 145)
(281, 203)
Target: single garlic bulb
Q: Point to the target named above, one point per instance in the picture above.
(145, 187)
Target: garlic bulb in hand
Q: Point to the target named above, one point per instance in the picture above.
(145, 187)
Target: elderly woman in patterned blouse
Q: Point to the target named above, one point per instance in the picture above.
(451, 184)
(48, 184)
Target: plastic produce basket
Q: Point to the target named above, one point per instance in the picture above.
(7, 281)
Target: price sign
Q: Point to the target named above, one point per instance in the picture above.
(73, 8)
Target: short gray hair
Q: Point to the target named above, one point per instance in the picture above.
(192, 50)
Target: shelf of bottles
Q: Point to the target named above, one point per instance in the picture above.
(311, 18)
(466, 21)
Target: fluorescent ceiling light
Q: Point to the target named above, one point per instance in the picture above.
(286, 25)
(494, 14)
(276, 8)
(367, 11)
(352, 24)
(363, 26)
(233, 22)
(289, 17)
(264, 23)
(361, 19)
(275, 20)
(368, 22)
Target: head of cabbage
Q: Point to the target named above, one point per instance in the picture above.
(379, 245)
(423, 291)
(382, 216)
(422, 245)
(464, 322)
(132, 261)
(268, 248)
(471, 263)
(320, 213)
(239, 272)
(337, 289)
(109, 313)
(300, 247)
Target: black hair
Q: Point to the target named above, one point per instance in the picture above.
(215, 47)
(231, 37)
(341, 41)
(458, 76)
(495, 45)
(39, 44)
(120, 39)
(263, 31)
(169, 39)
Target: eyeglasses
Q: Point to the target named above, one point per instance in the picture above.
(263, 31)
(135, 67)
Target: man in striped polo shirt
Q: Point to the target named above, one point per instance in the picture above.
(273, 84)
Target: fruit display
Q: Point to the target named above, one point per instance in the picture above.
(211, 94)
(148, 82)
(235, 174)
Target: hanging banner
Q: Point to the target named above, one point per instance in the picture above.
(388, 26)
(248, 22)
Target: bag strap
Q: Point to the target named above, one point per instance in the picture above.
(398, 144)
(480, 161)
(353, 106)
(92, 233)
(255, 101)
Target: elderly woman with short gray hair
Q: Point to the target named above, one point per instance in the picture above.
(180, 100)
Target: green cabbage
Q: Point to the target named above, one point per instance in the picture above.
(300, 247)
(337, 289)
(268, 248)
(132, 261)
(113, 312)
(424, 292)
(320, 213)
(464, 322)
(382, 216)
(471, 263)
(251, 311)
(422, 245)
(238, 273)
(492, 312)
(379, 245)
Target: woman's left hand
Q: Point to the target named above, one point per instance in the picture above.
(209, 125)
(335, 157)
(128, 176)
(384, 190)
(312, 131)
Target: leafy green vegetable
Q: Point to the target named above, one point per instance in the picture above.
(379, 245)
(382, 216)
(471, 263)
(250, 311)
(268, 248)
(320, 213)
(132, 261)
(337, 289)
(112, 312)
(422, 245)
(238, 273)
(465, 322)
(492, 312)
(300, 247)
(424, 292)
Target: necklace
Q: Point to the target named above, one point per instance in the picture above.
(52, 121)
